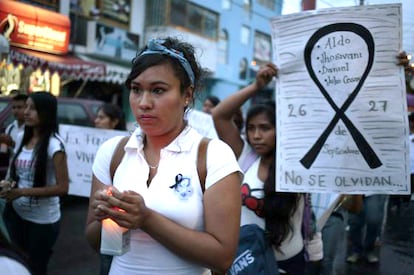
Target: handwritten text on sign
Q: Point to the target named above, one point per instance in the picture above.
(341, 107)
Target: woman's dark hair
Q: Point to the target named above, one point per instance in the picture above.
(19, 97)
(46, 107)
(279, 207)
(213, 99)
(114, 112)
(238, 119)
(142, 62)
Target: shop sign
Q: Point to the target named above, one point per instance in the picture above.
(34, 28)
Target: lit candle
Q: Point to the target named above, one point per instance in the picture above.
(114, 238)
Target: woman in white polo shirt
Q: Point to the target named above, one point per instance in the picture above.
(176, 228)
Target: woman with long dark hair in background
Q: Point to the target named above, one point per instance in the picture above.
(280, 214)
(39, 168)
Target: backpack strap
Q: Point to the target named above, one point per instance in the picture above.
(201, 162)
(10, 129)
(202, 169)
(117, 156)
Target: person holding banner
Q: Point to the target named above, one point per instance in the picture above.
(178, 225)
(281, 214)
(40, 173)
(110, 116)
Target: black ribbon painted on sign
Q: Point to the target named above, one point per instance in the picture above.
(363, 146)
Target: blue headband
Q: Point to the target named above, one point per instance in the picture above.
(155, 46)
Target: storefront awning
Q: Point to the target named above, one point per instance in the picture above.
(115, 73)
(66, 66)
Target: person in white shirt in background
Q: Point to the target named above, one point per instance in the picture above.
(17, 126)
(9, 137)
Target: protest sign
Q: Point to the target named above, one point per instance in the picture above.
(81, 144)
(202, 122)
(342, 122)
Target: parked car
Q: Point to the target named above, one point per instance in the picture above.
(74, 111)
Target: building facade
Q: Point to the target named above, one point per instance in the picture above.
(232, 38)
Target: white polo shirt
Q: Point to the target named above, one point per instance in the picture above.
(182, 204)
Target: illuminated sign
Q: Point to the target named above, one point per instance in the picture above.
(34, 28)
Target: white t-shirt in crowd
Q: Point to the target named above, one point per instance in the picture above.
(43, 210)
(182, 204)
(14, 130)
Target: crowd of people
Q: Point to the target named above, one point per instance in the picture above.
(180, 221)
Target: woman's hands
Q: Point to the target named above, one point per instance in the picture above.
(7, 190)
(265, 75)
(5, 138)
(126, 208)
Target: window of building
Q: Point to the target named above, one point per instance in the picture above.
(210, 26)
(106, 12)
(270, 4)
(244, 35)
(243, 69)
(223, 47)
(262, 48)
(195, 18)
(156, 11)
(247, 6)
(182, 14)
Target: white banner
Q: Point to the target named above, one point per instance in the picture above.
(342, 121)
(81, 144)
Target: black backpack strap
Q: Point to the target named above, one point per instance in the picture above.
(117, 156)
